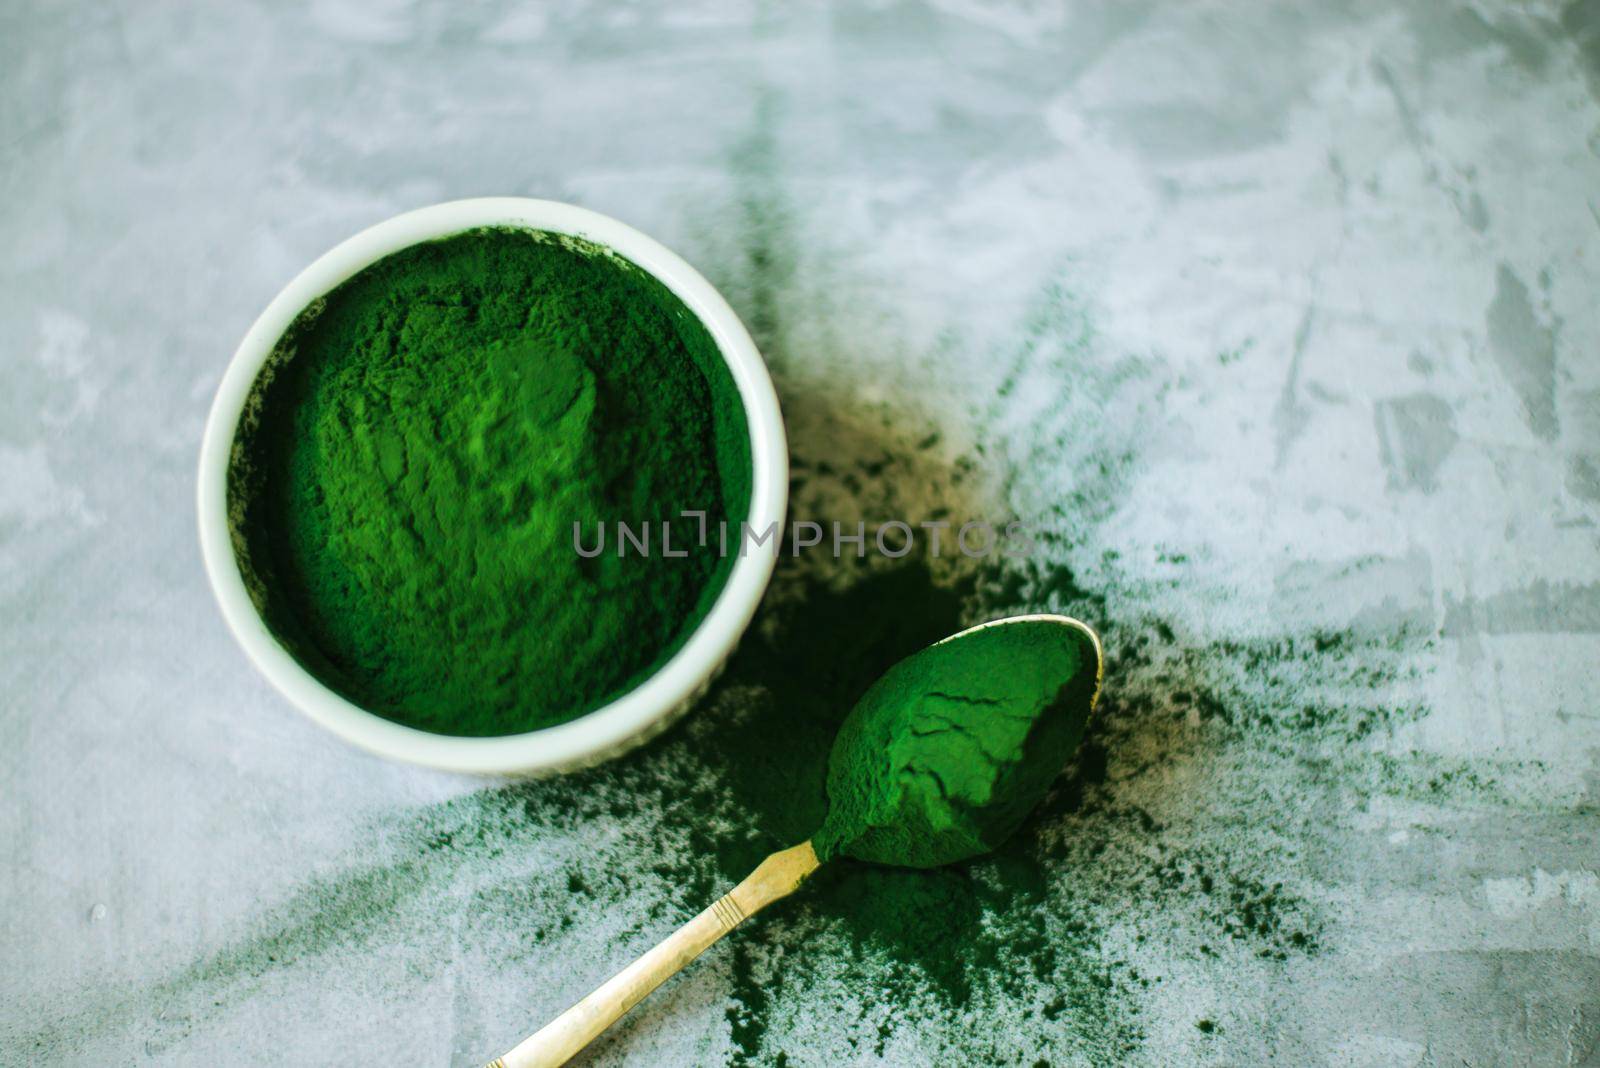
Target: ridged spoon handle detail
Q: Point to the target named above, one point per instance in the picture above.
(557, 1041)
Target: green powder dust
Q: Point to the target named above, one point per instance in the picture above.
(407, 479)
(943, 758)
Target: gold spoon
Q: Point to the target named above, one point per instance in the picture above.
(774, 879)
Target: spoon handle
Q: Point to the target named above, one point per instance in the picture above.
(776, 877)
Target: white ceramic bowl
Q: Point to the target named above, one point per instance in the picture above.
(612, 728)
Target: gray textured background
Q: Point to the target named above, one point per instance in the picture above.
(1329, 274)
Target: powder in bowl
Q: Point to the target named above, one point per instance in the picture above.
(405, 481)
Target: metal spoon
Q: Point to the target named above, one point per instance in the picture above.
(774, 878)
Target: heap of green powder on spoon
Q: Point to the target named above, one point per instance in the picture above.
(940, 761)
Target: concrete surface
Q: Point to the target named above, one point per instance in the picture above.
(1285, 317)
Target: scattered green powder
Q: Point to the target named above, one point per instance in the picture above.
(1022, 956)
(1154, 870)
(1001, 959)
(943, 758)
(405, 488)
(1205, 780)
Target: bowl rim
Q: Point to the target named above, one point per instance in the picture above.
(610, 728)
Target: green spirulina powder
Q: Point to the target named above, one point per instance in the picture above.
(947, 753)
(405, 485)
